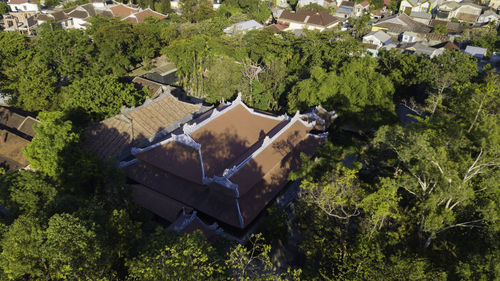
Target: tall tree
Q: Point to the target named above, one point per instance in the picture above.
(101, 96)
(53, 141)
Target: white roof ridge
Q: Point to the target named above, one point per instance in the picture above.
(191, 128)
(228, 173)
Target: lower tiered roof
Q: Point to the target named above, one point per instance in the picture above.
(228, 164)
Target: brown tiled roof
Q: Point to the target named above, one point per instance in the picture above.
(10, 118)
(322, 18)
(365, 3)
(17, 120)
(90, 9)
(110, 137)
(347, 3)
(123, 11)
(220, 206)
(453, 27)
(11, 150)
(44, 17)
(58, 16)
(408, 24)
(447, 45)
(467, 17)
(229, 163)
(78, 14)
(437, 37)
(228, 136)
(157, 203)
(107, 14)
(187, 160)
(16, 131)
(18, 2)
(154, 87)
(141, 16)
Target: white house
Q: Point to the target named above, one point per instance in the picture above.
(23, 6)
(409, 37)
(488, 16)
(304, 19)
(345, 10)
(495, 4)
(378, 38)
(361, 8)
(422, 6)
(464, 11)
(242, 27)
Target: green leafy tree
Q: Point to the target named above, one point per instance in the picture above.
(314, 7)
(347, 94)
(31, 193)
(444, 181)
(440, 29)
(52, 142)
(4, 9)
(163, 6)
(196, 10)
(51, 3)
(101, 97)
(71, 248)
(22, 250)
(190, 257)
(34, 86)
(254, 263)
(70, 52)
(116, 43)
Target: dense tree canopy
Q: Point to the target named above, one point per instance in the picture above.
(381, 200)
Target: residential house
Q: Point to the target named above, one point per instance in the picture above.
(75, 17)
(494, 4)
(378, 38)
(434, 38)
(304, 19)
(345, 10)
(242, 27)
(16, 132)
(361, 8)
(23, 22)
(452, 27)
(397, 24)
(23, 6)
(450, 46)
(113, 137)
(322, 3)
(409, 37)
(139, 17)
(422, 49)
(122, 11)
(228, 164)
(381, 12)
(420, 6)
(421, 17)
(476, 52)
(463, 11)
(489, 16)
(101, 4)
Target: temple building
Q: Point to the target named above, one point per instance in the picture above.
(226, 165)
